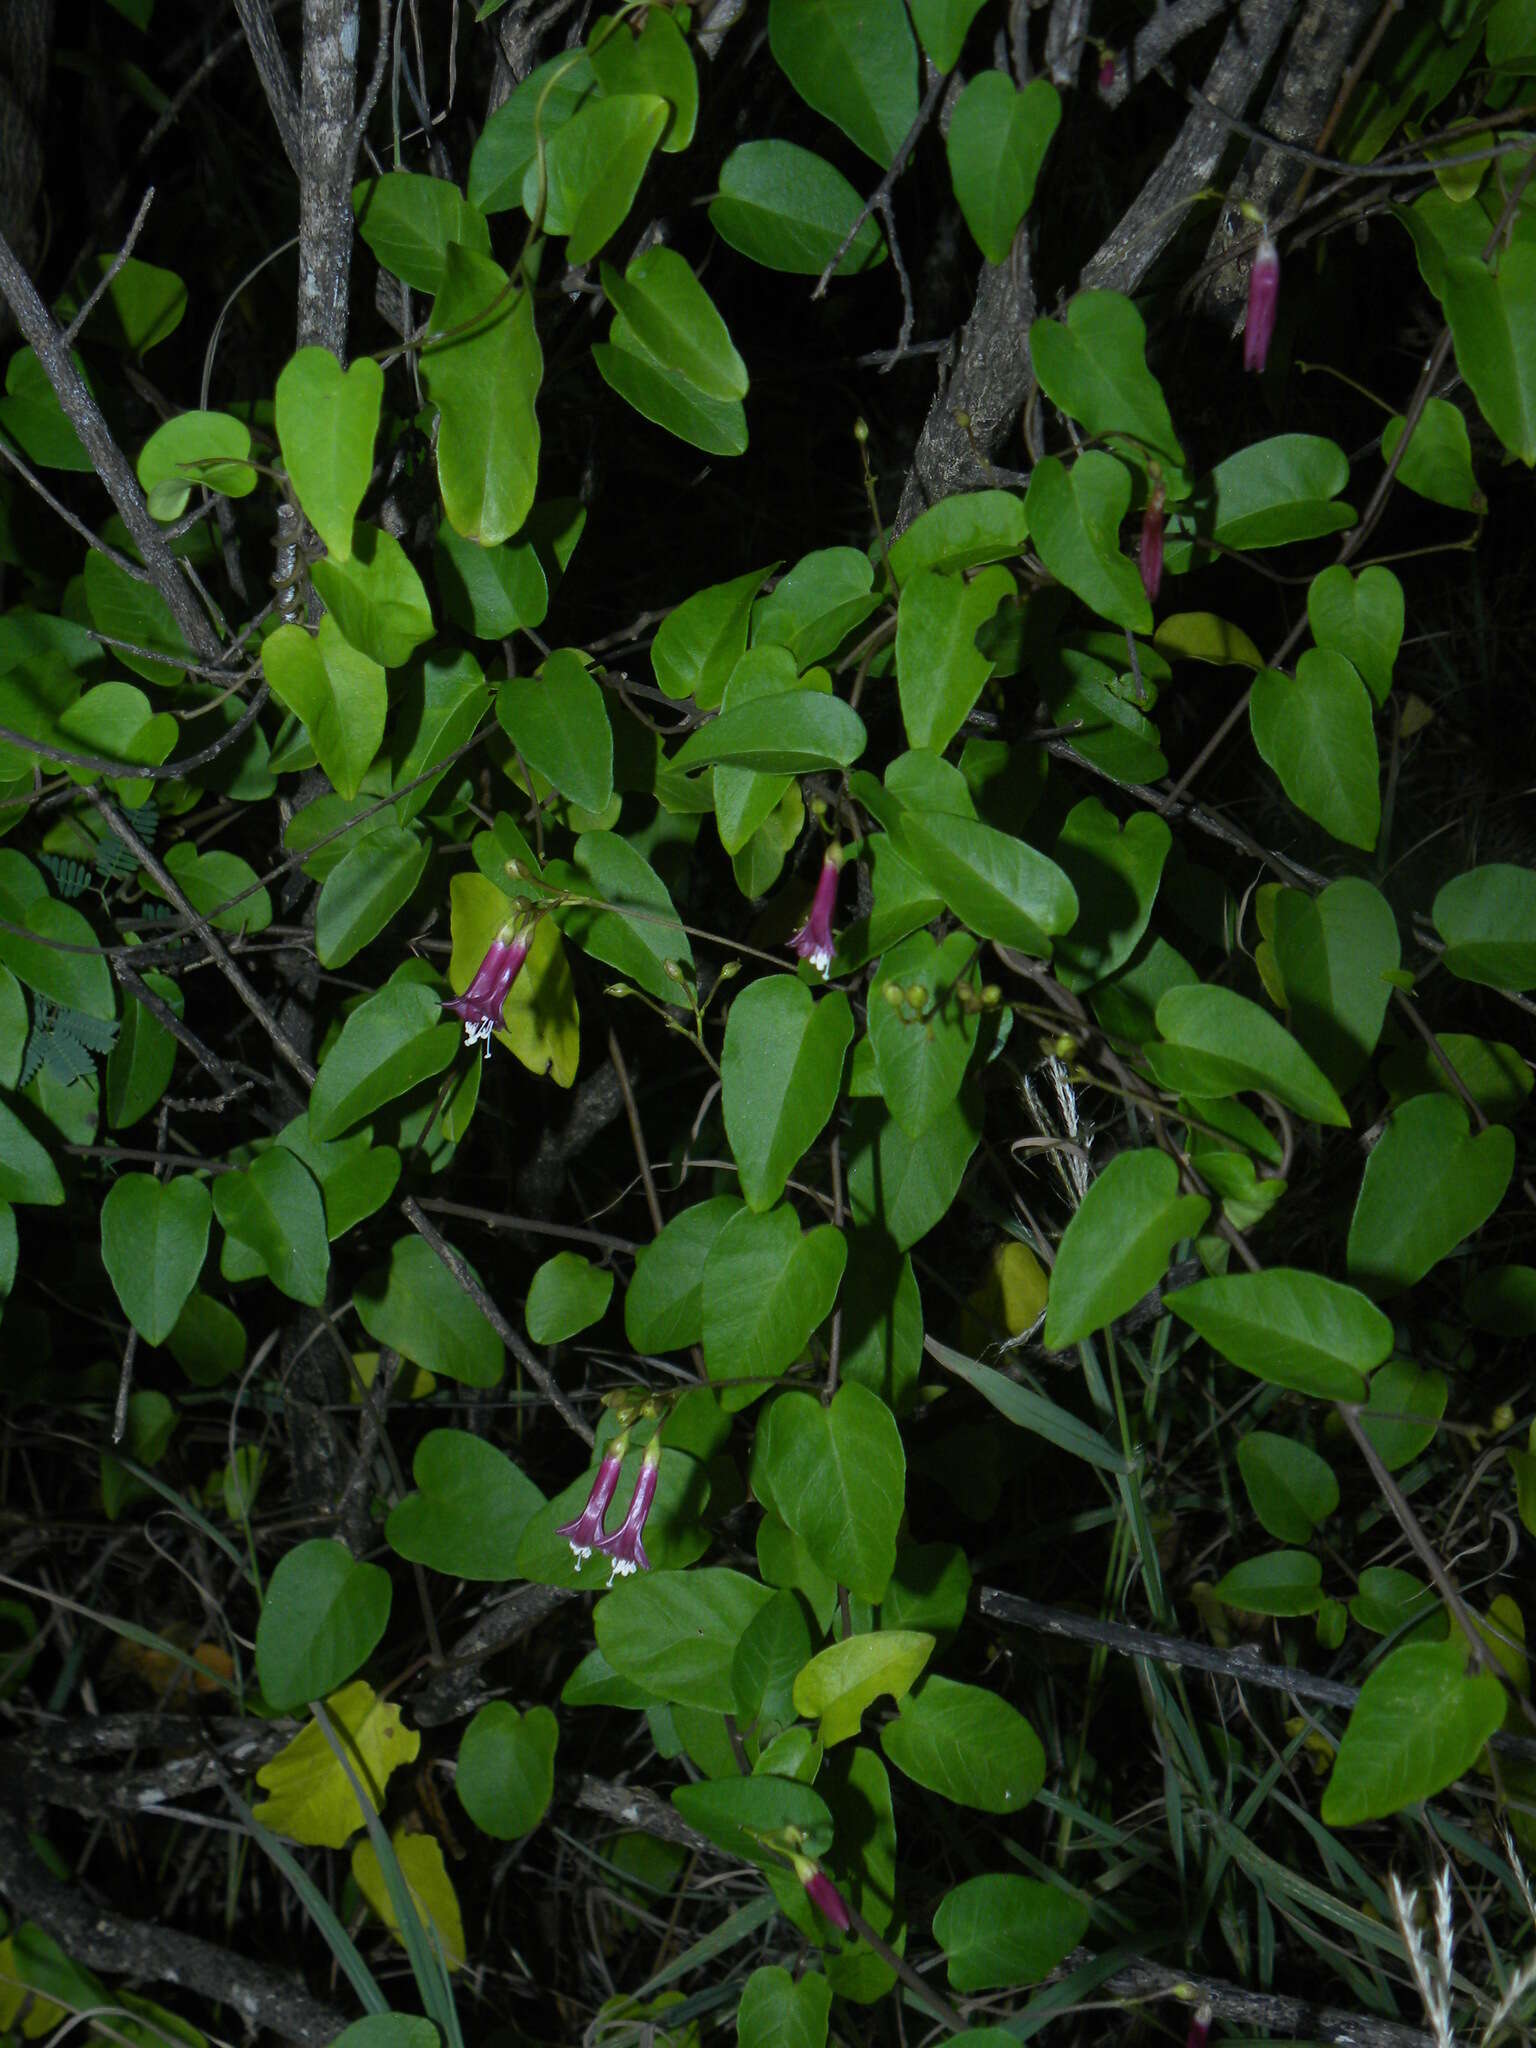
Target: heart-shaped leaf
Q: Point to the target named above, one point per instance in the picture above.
(506, 1771)
(1115, 871)
(469, 1511)
(1360, 617)
(1427, 1185)
(1420, 1723)
(1074, 520)
(322, 1615)
(327, 419)
(922, 1049)
(765, 1289)
(337, 691)
(940, 671)
(837, 1477)
(1117, 1246)
(997, 140)
(1093, 365)
(1294, 1329)
(154, 1235)
(1315, 731)
(781, 1067)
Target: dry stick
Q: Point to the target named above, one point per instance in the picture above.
(71, 519)
(497, 1219)
(534, 1366)
(882, 191)
(276, 79)
(107, 459)
(209, 1061)
(101, 764)
(1015, 1611)
(214, 946)
(105, 283)
(635, 1132)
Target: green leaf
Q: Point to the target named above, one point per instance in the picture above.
(408, 221)
(700, 643)
(1490, 318)
(364, 891)
(1317, 735)
(541, 105)
(966, 1744)
(1280, 490)
(781, 1067)
(1493, 1073)
(490, 592)
(377, 597)
(321, 1619)
(998, 886)
(765, 1289)
(1360, 617)
(1335, 953)
(356, 1176)
(939, 671)
(274, 1210)
(837, 1477)
(1093, 366)
(337, 691)
(780, 2011)
(676, 1633)
(1028, 1410)
(142, 1058)
(906, 1184)
(736, 1813)
(558, 721)
(1074, 519)
(1291, 1328)
(207, 448)
(1419, 1724)
(1215, 1042)
(27, 1172)
(1438, 464)
(484, 379)
(154, 1236)
(1390, 1601)
(854, 61)
(789, 209)
(1202, 636)
(31, 415)
(792, 733)
(840, 1682)
(996, 145)
(594, 166)
(1117, 1247)
(1487, 918)
(1502, 1300)
(327, 420)
(1003, 1931)
(1115, 871)
(505, 1778)
(657, 60)
(469, 1511)
(208, 1342)
(814, 607)
(389, 1043)
(942, 25)
(1290, 1487)
(143, 305)
(670, 312)
(37, 955)
(921, 1051)
(666, 397)
(633, 926)
(1282, 1582)
(566, 1295)
(1427, 1186)
(767, 1658)
(210, 881)
(961, 532)
(135, 612)
(1401, 1390)
(115, 720)
(664, 1306)
(417, 1307)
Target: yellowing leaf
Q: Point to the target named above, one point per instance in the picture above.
(427, 1880)
(312, 1800)
(1504, 1633)
(40, 2015)
(412, 1383)
(1010, 1298)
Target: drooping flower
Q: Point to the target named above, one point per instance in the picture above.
(1263, 298)
(584, 1532)
(623, 1549)
(814, 941)
(822, 1893)
(1199, 2027)
(1107, 71)
(480, 1005)
(1150, 553)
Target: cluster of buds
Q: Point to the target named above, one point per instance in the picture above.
(624, 1549)
(814, 941)
(483, 1001)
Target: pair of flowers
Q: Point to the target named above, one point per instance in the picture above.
(1258, 333)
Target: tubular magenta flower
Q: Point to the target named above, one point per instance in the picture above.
(1150, 554)
(480, 1006)
(1263, 298)
(1199, 2027)
(584, 1532)
(814, 940)
(822, 1893)
(624, 1550)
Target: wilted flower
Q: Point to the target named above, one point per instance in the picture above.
(584, 1532)
(623, 1549)
(822, 1893)
(1263, 298)
(1150, 554)
(814, 940)
(480, 1006)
